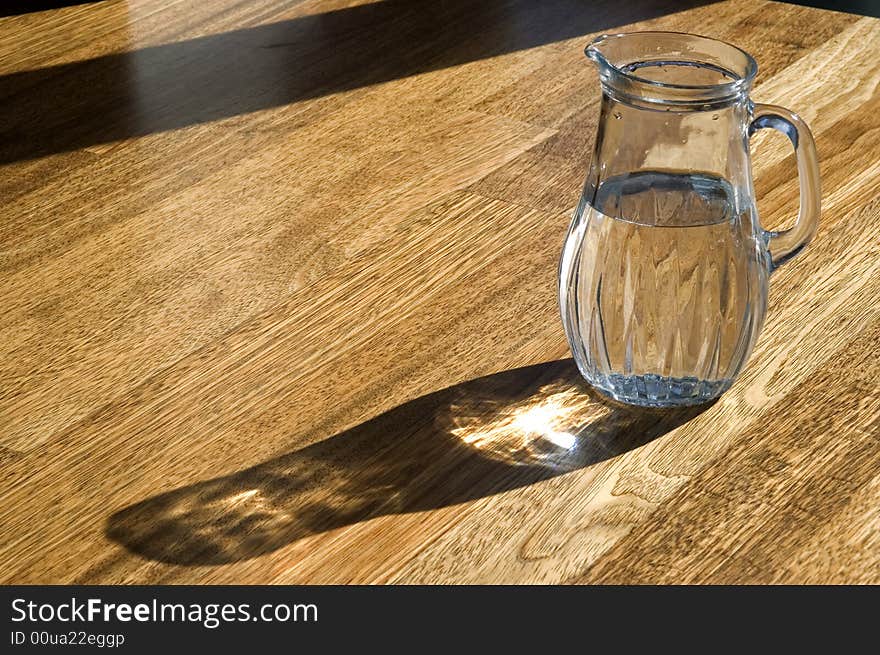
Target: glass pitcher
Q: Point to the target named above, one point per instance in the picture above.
(663, 276)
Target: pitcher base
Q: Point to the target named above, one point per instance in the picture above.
(658, 391)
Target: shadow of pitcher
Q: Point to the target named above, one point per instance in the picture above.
(469, 441)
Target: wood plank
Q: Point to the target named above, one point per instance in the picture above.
(805, 480)
(112, 301)
(263, 371)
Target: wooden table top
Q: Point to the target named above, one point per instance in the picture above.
(278, 285)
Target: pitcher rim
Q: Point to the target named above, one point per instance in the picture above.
(735, 85)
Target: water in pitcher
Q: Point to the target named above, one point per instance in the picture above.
(657, 279)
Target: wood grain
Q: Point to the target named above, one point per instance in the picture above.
(277, 319)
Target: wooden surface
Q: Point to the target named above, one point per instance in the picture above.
(278, 293)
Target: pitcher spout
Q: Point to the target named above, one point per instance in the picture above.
(593, 51)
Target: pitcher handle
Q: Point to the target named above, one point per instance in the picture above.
(785, 244)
